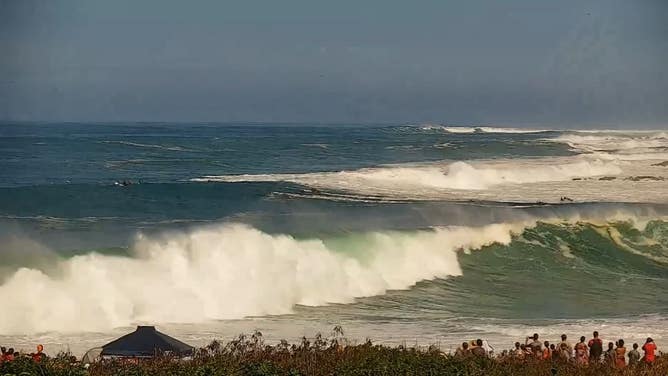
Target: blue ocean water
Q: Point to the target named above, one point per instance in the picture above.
(393, 231)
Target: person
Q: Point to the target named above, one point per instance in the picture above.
(488, 348)
(3, 352)
(634, 355)
(564, 352)
(9, 355)
(620, 354)
(39, 355)
(595, 349)
(649, 348)
(547, 353)
(526, 350)
(518, 352)
(535, 346)
(610, 354)
(554, 354)
(581, 355)
(564, 341)
(478, 350)
(463, 351)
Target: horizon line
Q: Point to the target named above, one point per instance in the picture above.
(531, 126)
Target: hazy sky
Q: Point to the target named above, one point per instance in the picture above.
(566, 62)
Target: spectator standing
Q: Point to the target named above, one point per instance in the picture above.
(649, 348)
(634, 355)
(595, 349)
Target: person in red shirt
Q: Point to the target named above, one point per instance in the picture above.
(649, 348)
(37, 357)
(9, 355)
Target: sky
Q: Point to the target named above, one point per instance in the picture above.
(566, 63)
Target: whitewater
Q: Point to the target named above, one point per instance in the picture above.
(612, 166)
(424, 233)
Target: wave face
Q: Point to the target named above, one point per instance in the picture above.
(231, 271)
(226, 272)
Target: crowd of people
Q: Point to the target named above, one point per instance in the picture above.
(583, 352)
(9, 355)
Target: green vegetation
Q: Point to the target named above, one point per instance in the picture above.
(248, 355)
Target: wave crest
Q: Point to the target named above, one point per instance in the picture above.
(457, 175)
(229, 271)
(480, 129)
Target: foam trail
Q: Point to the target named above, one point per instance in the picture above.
(150, 146)
(228, 271)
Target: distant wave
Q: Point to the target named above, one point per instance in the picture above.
(622, 145)
(457, 129)
(150, 146)
(455, 175)
(317, 145)
(600, 177)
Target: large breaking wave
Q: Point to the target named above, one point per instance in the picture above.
(231, 271)
(228, 271)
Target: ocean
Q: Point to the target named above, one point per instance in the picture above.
(403, 234)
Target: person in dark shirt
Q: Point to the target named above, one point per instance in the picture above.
(595, 349)
(634, 355)
(610, 354)
(518, 352)
(479, 350)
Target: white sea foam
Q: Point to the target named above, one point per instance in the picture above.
(618, 145)
(228, 271)
(611, 166)
(581, 178)
(476, 175)
(231, 271)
